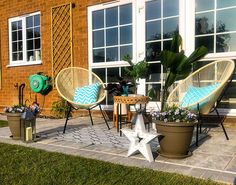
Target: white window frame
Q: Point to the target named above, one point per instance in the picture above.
(186, 30)
(90, 49)
(24, 40)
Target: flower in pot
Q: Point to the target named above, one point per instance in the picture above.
(176, 126)
(173, 122)
(14, 114)
(13, 117)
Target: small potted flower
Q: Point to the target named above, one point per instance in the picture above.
(176, 126)
(13, 117)
(14, 114)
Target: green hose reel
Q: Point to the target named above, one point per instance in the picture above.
(39, 83)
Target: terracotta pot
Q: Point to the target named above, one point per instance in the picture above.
(14, 124)
(175, 139)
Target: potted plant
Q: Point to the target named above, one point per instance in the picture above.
(123, 88)
(136, 71)
(175, 129)
(14, 114)
(13, 117)
(176, 126)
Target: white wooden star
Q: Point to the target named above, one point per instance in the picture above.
(140, 139)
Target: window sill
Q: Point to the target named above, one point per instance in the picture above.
(25, 64)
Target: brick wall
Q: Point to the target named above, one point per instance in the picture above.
(14, 75)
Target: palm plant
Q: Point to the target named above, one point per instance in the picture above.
(177, 65)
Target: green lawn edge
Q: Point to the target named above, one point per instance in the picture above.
(26, 165)
(3, 123)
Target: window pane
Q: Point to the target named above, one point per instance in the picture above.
(126, 14)
(14, 26)
(98, 19)
(153, 91)
(29, 33)
(14, 36)
(202, 5)
(224, 23)
(36, 20)
(204, 23)
(155, 73)
(30, 56)
(112, 54)
(30, 45)
(207, 41)
(169, 27)
(225, 3)
(98, 38)
(14, 46)
(226, 42)
(112, 16)
(37, 43)
(100, 73)
(20, 56)
(153, 9)
(20, 46)
(98, 55)
(19, 35)
(153, 30)
(19, 25)
(37, 32)
(37, 55)
(125, 50)
(14, 56)
(112, 74)
(153, 51)
(167, 44)
(126, 35)
(170, 7)
(112, 37)
(29, 21)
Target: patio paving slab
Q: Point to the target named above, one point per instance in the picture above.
(215, 158)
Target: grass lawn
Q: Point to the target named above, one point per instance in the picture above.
(22, 165)
(3, 123)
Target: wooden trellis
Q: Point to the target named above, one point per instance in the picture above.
(61, 22)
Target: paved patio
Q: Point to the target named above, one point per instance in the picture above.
(215, 158)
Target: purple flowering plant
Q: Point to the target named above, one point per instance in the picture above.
(34, 108)
(174, 114)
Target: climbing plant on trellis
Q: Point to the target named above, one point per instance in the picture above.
(61, 22)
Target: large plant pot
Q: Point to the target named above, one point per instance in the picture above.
(175, 139)
(14, 124)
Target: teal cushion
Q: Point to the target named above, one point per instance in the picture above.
(87, 94)
(194, 94)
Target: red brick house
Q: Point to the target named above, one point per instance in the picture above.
(45, 36)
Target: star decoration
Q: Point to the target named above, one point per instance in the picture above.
(140, 139)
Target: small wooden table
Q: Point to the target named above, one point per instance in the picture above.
(128, 100)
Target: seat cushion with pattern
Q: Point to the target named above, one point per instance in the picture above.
(87, 94)
(194, 94)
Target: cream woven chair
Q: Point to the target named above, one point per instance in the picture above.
(69, 79)
(213, 78)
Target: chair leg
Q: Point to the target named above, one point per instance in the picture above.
(104, 117)
(67, 118)
(90, 116)
(222, 125)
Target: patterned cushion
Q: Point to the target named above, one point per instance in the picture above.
(87, 94)
(196, 93)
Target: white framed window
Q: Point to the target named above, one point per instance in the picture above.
(199, 22)
(25, 40)
(214, 27)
